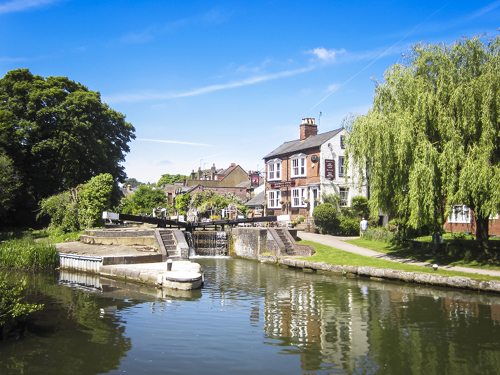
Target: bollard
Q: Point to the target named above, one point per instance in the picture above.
(169, 264)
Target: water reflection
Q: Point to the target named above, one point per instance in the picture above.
(257, 318)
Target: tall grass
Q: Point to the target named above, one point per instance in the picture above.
(25, 253)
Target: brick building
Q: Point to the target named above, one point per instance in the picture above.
(462, 220)
(298, 172)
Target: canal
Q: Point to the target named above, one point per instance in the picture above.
(254, 318)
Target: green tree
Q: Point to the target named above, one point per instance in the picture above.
(359, 206)
(94, 199)
(182, 203)
(132, 182)
(433, 135)
(143, 201)
(58, 133)
(169, 179)
(9, 184)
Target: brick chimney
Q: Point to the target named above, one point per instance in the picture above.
(193, 175)
(308, 128)
(199, 173)
(212, 172)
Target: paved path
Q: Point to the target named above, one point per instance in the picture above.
(338, 243)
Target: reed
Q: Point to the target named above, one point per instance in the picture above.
(25, 253)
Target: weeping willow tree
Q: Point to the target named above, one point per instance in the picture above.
(432, 137)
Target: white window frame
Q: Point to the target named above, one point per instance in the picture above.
(274, 170)
(344, 196)
(298, 196)
(273, 199)
(341, 166)
(299, 165)
(460, 215)
(342, 142)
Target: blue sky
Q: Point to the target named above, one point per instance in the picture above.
(225, 82)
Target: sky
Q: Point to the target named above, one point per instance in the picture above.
(221, 82)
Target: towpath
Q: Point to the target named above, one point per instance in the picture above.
(339, 243)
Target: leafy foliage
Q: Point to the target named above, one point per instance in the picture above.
(143, 201)
(26, 253)
(9, 183)
(169, 179)
(58, 134)
(94, 198)
(81, 207)
(132, 182)
(12, 310)
(359, 206)
(433, 135)
(325, 217)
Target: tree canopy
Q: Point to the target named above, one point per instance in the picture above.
(169, 179)
(432, 137)
(143, 201)
(58, 133)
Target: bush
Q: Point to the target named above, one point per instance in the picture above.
(300, 219)
(348, 226)
(325, 218)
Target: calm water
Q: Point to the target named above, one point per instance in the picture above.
(253, 318)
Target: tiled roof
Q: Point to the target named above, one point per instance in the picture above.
(298, 145)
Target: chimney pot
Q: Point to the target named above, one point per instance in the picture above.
(308, 128)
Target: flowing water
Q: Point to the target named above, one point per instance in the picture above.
(254, 318)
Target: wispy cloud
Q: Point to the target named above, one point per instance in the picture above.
(21, 5)
(334, 87)
(205, 90)
(486, 9)
(12, 59)
(176, 142)
(325, 55)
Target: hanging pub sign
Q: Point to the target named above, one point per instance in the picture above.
(330, 169)
(255, 179)
(277, 185)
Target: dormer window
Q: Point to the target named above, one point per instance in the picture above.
(274, 170)
(299, 164)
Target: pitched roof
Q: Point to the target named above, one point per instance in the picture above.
(258, 200)
(298, 145)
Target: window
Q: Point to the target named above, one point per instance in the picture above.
(460, 214)
(274, 170)
(341, 166)
(273, 199)
(342, 142)
(298, 196)
(299, 165)
(344, 195)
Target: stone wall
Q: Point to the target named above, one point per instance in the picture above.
(250, 242)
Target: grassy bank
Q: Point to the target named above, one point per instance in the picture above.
(331, 255)
(445, 256)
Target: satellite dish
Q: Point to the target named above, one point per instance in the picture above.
(314, 158)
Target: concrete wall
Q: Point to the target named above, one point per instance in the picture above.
(250, 242)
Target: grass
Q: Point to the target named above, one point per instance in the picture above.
(25, 253)
(443, 256)
(331, 255)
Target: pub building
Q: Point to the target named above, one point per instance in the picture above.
(299, 172)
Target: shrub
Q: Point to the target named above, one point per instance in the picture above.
(348, 226)
(300, 219)
(325, 218)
